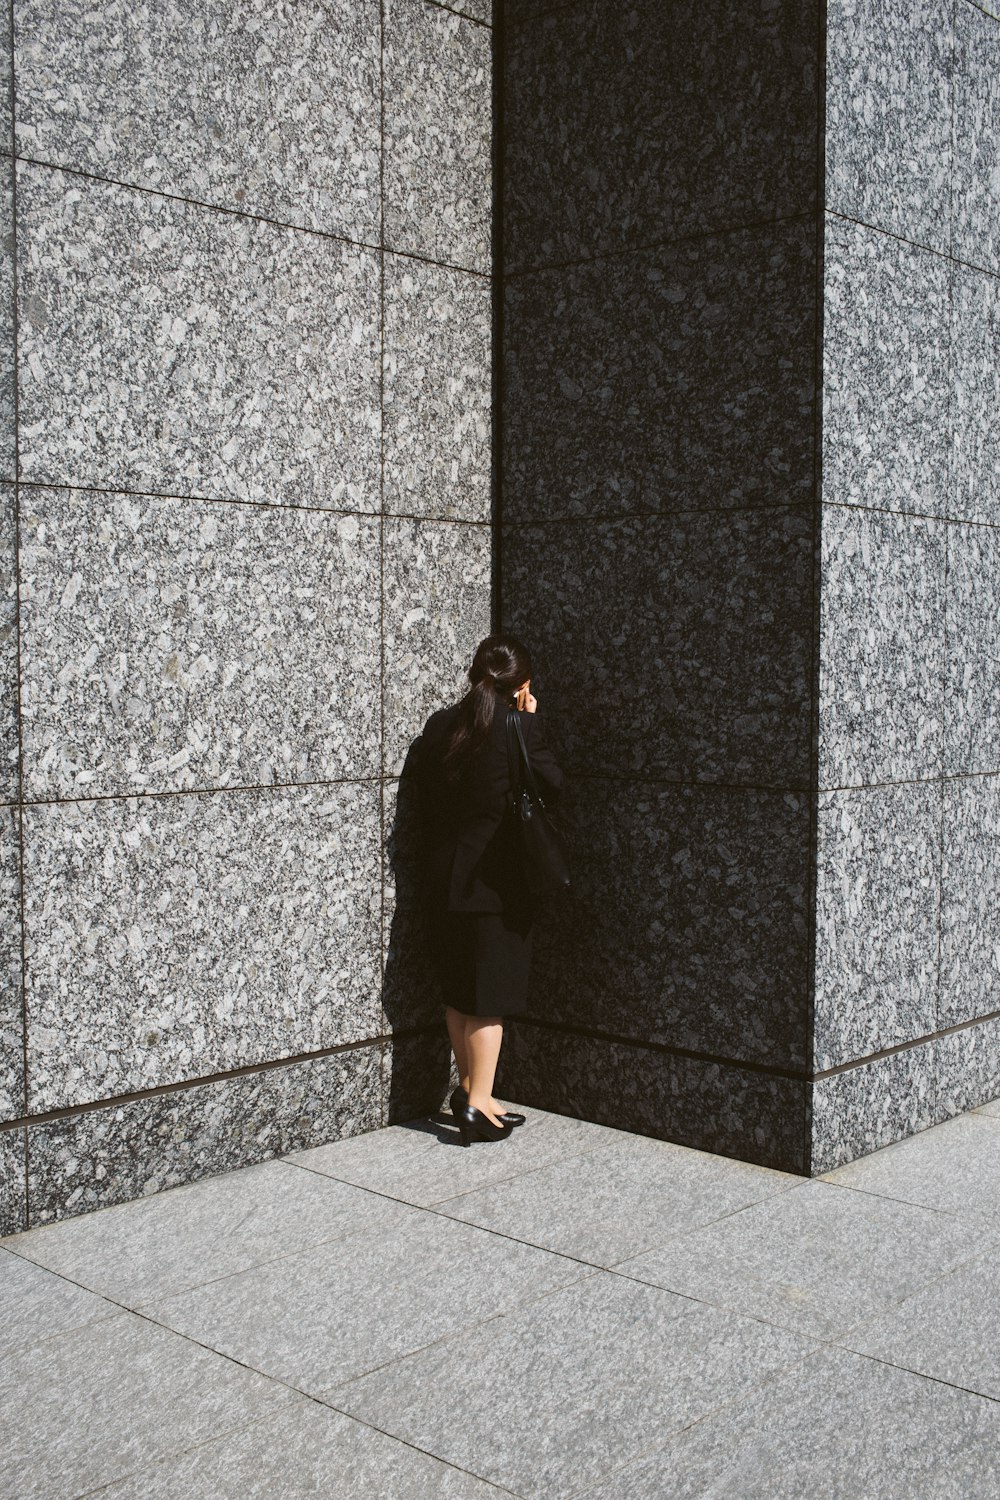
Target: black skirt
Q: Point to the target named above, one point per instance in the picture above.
(483, 960)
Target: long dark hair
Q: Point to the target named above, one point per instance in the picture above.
(500, 665)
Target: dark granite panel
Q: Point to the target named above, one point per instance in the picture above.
(437, 391)
(672, 646)
(11, 1002)
(410, 990)
(968, 1067)
(972, 699)
(674, 378)
(869, 1106)
(881, 647)
(174, 937)
(111, 1155)
(13, 1204)
(629, 124)
(757, 1117)
(270, 109)
(886, 363)
(10, 785)
(976, 352)
(976, 192)
(888, 115)
(419, 1075)
(437, 609)
(687, 920)
(970, 900)
(170, 644)
(438, 132)
(878, 888)
(170, 348)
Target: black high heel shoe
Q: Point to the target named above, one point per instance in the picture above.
(473, 1125)
(460, 1098)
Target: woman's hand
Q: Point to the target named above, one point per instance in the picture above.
(526, 702)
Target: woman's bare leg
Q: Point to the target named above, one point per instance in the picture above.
(482, 1038)
(457, 1029)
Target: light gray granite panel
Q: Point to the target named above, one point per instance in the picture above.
(954, 1169)
(10, 760)
(672, 646)
(976, 192)
(976, 353)
(437, 580)
(881, 647)
(731, 1111)
(888, 115)
(303, 1450)
(124, 1151)
(681, 376)
(272, 110)
(864, 1108)
(341, 1310)
(168, 347)
(818, 1259)
(172, 644)
(36, 1305)
(410, 987)
(972, 700)
(968, 1068)
(206, 932)
(878, 859)
(13, 1174)
(479, 10)
(887, 385)
(591, 1376)
(686, 923)
(836, 1425)
(437, 141)
(11, 1010)
(626, 125)
(970, 899)
(8, 378)
(100, 1402)
(946, 1330)
(437, 390)
(172, 1241)
(620, 1199)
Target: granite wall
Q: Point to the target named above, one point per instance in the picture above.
(750, 510)
(246, 535)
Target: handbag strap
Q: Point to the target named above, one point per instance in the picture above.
(529, 775)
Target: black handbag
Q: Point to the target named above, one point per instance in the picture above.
(543, 854)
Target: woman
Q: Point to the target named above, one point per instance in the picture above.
(479, 909)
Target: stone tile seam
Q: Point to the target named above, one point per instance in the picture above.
(373, 779)
(994, 15)
(800, 216)
(220, 208)
(463, 15)
(498, 354)
(663, 514)
(384, 1078)
(891, 234)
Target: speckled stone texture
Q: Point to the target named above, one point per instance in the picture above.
(976, 191)
(976, 355)
(437, 391)
(11, 1011)
(886, 392)
(168, 347)
(877, 892)
(171, 644)
(678, 646)
(410, 989)
(418, 1074)
(206, 932)
(686, 923)
(970, 900)
(13, 1203)
(754, 1115)
(665, 379)
(437, 133)
(271, 110)
(869, 1106)
(972, 700)
(968, 1067)
(695, 116)
(881, 647)
(8, 437)
(888, 115)
(104, 1156)
(436, 611)
(9, 762)
(480, 10)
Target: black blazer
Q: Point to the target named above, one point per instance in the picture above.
(470, 860)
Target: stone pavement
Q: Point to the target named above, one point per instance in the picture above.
(573, 1311)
